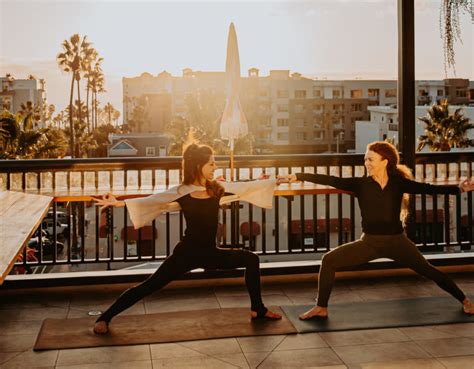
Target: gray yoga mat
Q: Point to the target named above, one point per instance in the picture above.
(381, 314)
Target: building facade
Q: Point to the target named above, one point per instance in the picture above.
(286, 112)
(14, 92)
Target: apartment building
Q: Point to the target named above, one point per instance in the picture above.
(286, 111)
(383, 124)
(14, 92)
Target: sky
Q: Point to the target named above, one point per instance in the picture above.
(340, 39)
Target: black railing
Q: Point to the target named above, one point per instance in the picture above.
(77, 233)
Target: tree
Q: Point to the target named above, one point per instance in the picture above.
(85, 142)
(101, 136)
(71, 60)
(444, 130)
(139, 113)
(20, 140)
(31, 112)
(109, 110)
(450, 27)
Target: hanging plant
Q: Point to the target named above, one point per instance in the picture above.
(450, 28)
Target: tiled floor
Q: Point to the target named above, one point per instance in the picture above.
(433, 347)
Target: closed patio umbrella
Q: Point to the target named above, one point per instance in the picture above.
(233, 122)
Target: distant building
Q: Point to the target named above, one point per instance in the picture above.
(14, 92)
(287, 112)
(139, 145)
(383, 124)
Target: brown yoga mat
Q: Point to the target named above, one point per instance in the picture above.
(159, 328)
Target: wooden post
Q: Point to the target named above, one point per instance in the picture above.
(406, 92)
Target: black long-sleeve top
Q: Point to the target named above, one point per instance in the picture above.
(201, 217)
(380, 208)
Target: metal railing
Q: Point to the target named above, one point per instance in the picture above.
(297, 226)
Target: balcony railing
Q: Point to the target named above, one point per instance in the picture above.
(298, 227)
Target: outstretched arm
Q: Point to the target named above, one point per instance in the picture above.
(108, 200)
(347, 184)
(414, 187)
(466, 185)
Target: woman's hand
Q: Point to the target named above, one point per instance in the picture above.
(466, 185)
(290, 178)
(108, 200)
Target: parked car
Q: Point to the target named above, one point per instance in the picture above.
(48, 246)
(61, 216)
(62, 229)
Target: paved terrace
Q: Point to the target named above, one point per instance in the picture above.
(433, 347)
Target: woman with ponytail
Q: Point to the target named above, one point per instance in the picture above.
(199, 197)
(383, 201)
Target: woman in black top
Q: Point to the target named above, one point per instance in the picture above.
(198, 247)
(383, 202)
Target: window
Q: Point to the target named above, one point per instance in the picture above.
(282, 122)
(263, 92)
(150, 151)
(300, 122)
(162, 150)
(391, 92)
(282, 108)
(300, 94)
(356, 107)
(282, 136)
(318, 135)
(461, 93)
(282, 94)
(356, 94)
(336, 94)
(422, 92)
(373, 92)
(317, 93)
(317, 124)
(317, 108)
(339, 108)
(440, 92)
(301, 136)
(299, 108)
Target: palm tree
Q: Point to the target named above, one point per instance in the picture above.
(31, 113)
(93, 69)
(20, 140)
(82, 135)
(98, 87)
(109, 110)
(444, 130)
(71, 61)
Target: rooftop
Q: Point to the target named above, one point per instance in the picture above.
(440, 346)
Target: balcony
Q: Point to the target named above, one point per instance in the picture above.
(107, 252)
(93, 242)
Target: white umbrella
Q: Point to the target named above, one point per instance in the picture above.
(233, 122)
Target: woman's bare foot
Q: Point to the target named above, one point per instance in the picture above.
(268, 315)
(468, 306)
(316, 311)
(101, 327)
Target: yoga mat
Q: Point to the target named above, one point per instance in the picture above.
(381, 314)
(159, 328)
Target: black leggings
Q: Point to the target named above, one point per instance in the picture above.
(185, 259)
(369, 247)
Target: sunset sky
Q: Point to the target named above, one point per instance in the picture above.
(327, 38)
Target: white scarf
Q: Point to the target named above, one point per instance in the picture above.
(143, 210)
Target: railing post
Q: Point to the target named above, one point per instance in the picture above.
(406, 91)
